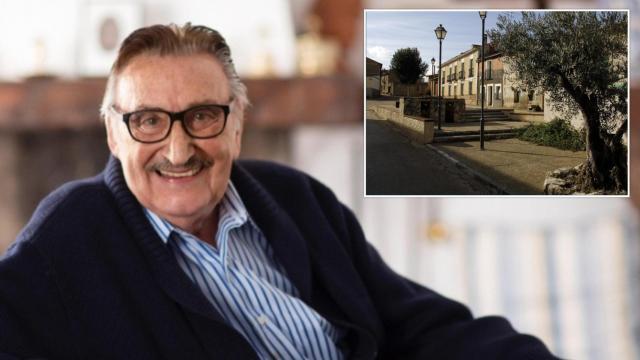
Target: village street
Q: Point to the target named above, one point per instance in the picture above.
(395, 166)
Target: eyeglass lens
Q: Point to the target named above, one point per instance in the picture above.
(151, 125)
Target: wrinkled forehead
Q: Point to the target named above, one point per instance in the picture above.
(172, 82)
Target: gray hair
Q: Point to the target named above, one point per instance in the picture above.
(165, 40)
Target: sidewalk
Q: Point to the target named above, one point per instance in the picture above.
(516, 166)
(475, 126)
(396, 166)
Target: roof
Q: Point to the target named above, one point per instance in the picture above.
(373, 67)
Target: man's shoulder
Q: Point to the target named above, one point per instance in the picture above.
(74, 206)
(263, 169)
(281, 179)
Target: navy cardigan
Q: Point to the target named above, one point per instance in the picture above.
(88, 278)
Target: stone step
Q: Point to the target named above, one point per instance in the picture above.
(477, 118)
(474, 132)
(486, 111)
(476, 137)
(486, 116)
(465, 120)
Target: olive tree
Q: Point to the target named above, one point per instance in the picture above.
(580, 60)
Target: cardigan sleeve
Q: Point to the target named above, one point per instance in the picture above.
(421, 324)
(33, 321)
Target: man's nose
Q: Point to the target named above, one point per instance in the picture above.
(180, 147)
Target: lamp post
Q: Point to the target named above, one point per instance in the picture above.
(433, 66)
(433, 69)
(441, 32)
(483, 16)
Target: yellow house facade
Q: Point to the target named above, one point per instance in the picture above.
(459, 76)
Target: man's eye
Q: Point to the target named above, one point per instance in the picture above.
(150, 121)
(203, 116)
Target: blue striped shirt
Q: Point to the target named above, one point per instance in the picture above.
(249, 288)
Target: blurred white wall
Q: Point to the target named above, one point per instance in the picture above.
(53, 37)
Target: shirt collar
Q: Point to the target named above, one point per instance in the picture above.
(231, 208)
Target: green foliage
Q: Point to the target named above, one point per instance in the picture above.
(558, 133)
(579, 58)
(408, 66)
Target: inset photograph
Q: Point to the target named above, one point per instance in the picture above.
(496, 103)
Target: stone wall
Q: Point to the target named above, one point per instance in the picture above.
(427, 107)
(411, 90)
(417, 128)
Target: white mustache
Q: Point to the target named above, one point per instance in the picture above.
(194, 163)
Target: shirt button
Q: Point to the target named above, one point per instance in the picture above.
(262, 319)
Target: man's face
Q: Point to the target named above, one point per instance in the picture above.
(160, 175)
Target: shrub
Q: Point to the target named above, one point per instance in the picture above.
(558, 134)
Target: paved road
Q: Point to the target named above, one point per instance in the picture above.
(397, 167)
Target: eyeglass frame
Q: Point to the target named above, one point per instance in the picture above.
(174, 116)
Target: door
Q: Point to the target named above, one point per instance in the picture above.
(490, 96)
(448, 111)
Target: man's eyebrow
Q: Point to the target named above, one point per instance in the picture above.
(189, 106)
(207, 102)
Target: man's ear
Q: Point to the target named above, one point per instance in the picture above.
(238, 121)
(237, 136)
(111, 140)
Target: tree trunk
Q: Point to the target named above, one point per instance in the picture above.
(606, 165)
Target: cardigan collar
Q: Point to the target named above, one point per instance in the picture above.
(288, 245)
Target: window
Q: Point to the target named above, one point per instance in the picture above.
(516, 96)
(462, 88)
(471, 67)
(498, 92)
(488, 70)
(470, 87)
(449, 90)
(530, 95)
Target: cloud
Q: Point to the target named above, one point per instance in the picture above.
(379, 53)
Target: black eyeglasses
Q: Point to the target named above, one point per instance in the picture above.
(154, 125)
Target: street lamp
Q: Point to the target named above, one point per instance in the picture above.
(441, 32)
(483, 16)
(433, 69)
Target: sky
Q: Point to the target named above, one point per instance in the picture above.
(387, 31)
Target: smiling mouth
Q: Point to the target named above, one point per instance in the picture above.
(179, 174)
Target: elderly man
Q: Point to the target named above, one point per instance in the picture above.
(178, 251)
